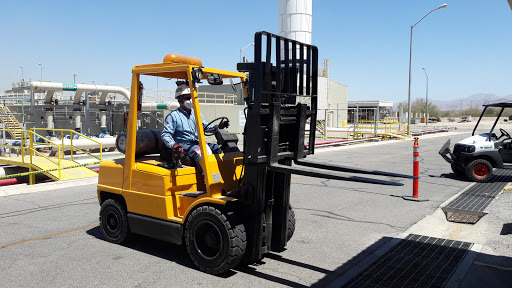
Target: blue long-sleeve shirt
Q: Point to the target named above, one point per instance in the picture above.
(180, 127)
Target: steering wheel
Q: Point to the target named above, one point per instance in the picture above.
(215, 128)
(504, 133)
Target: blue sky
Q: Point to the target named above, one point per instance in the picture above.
(465, 47)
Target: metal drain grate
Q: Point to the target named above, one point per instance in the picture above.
(470, 205)
(416, 261)
(462, 218)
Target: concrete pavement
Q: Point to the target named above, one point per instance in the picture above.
(339, 224)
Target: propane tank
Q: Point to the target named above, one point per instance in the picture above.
(148, 142)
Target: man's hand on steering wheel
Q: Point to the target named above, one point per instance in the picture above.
(224, 124)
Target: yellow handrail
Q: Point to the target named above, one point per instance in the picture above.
(28, 135)
(71, 138)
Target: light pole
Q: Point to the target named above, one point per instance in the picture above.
(244, 49)
(41, 65)
(410, 60)
(74, 78)
(21, 73)
(426, 123)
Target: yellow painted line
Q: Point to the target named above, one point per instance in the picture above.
(48, 236)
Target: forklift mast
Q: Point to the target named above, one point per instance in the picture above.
(282, 97)
(284, 71)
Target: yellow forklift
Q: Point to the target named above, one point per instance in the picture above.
(237, 207)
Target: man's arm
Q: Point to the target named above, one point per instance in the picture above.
(205, 125)
(168, 131)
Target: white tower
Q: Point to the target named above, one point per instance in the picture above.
(295, 19)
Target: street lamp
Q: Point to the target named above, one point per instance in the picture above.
(426, 123)
(244, 49)
(74, 78)
(41, 65)
(21, 73)
(410, 60)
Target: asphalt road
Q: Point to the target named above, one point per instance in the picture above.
(51, 238)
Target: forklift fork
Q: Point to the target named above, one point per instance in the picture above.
(321, 173)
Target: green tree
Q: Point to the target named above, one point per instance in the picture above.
(475, 112)
(419, 106)
(491, 112)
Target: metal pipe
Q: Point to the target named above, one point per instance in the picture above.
(103, 120)
(426, 122)
(171, 105)
(49, 119)
(108, 142)
(39, 85)
(78, 123)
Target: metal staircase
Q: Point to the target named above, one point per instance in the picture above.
(10, 122)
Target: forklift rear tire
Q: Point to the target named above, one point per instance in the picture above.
(479, 170)
(216, 241)
(291, 224)
(113, 221)
(458, 170)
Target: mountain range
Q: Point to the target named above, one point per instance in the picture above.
(476, 100)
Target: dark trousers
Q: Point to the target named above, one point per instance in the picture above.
(189, 150)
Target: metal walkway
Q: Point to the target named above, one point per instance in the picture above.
(416, 261)
(41, 163)
(470, 205)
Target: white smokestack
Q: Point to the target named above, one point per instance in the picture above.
(295, 19)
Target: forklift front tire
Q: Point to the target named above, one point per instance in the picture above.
(215, 241)
(114, 221)
(479, 170)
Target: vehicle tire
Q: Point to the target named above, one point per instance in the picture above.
(215, 241)
(114, 222)
(479, 170)
(458, 169)
(291, 223)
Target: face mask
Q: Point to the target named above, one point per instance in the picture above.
(188, 104)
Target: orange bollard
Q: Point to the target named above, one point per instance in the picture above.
(415, 167)
(415, 172)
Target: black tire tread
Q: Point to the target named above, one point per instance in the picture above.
(459, 171)
(236, 234)
(291, 224)
(472, 164)
(125, 233)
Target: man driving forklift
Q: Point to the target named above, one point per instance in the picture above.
(180, 131)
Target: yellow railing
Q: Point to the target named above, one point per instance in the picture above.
(71, 146)
(31, 150)
(384, 128)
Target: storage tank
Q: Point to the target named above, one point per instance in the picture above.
(295, 19)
